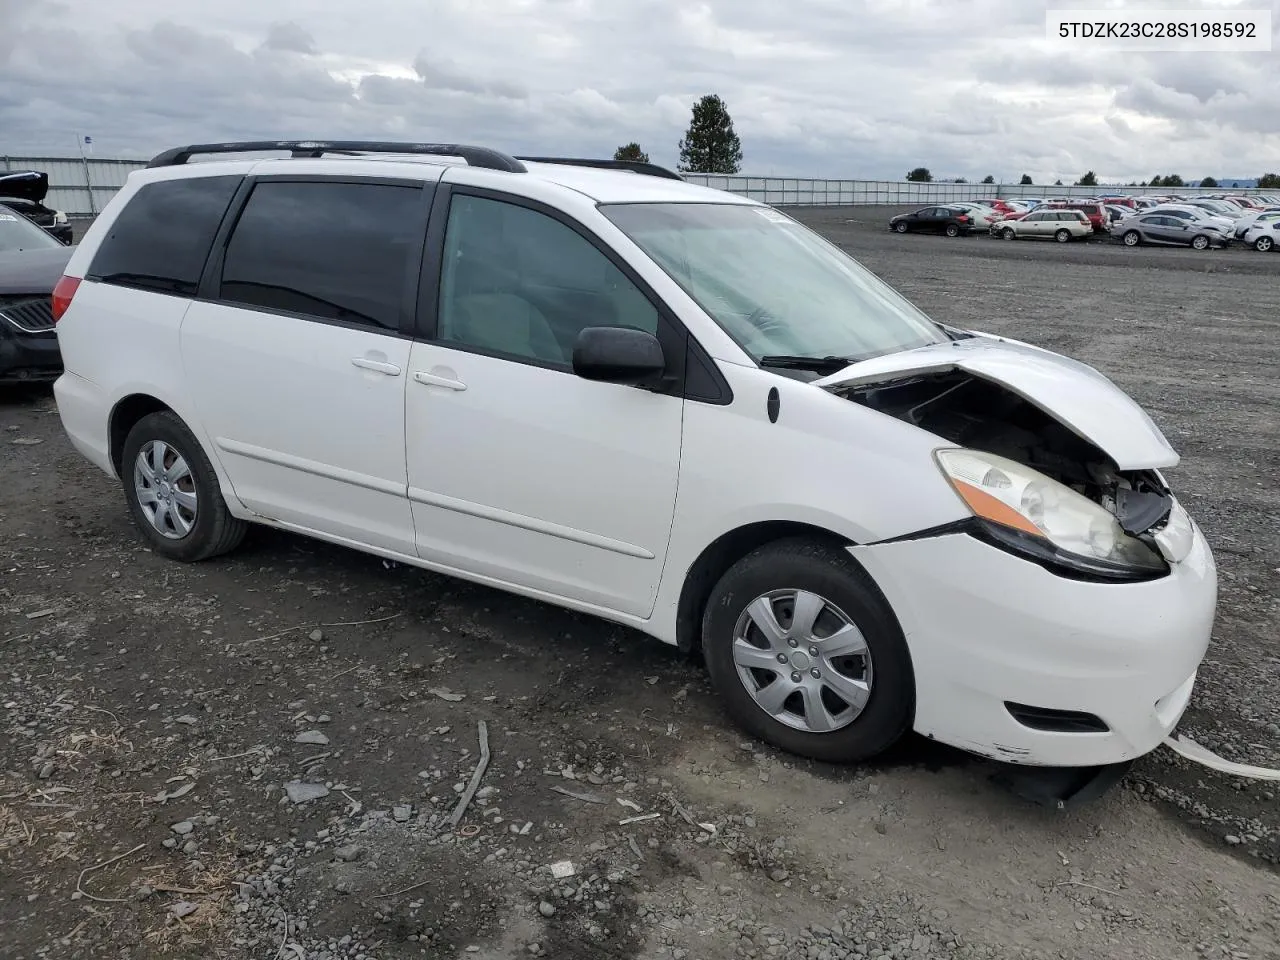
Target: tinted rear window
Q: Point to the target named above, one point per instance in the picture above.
(330, 250)
(162, 237)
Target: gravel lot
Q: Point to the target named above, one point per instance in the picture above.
(256, 757)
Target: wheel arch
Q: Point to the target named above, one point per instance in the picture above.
(721, 554)
(127, 411)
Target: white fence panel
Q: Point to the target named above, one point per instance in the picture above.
(82, 187)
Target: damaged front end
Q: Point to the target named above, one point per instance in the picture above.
(1030, 462)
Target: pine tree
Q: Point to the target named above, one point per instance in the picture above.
(631, 152)
(1026, 180)
(710, 144)
(1090, 179)
(989, 179)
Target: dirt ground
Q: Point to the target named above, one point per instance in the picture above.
(256, 757)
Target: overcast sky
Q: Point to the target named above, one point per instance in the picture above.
(837, 88)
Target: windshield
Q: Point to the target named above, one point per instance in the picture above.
(19, 233)
(776, 287)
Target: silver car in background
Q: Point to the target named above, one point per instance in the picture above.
(1060, 225)
(1166, 228)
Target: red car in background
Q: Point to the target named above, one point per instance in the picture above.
(1120, 202)
(999, 206)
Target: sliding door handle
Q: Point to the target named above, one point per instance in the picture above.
(431, 380)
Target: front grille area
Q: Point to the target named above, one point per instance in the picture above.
(33, 315)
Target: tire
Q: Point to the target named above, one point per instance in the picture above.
(729, 633)
(952, 230)
(1008, 233)
(1200, 242)
(1263, 244)
(901, 226)
(210, 529)
(1062, 236)
(1132, 238)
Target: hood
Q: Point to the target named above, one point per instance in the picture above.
(28, 185)
(32, 271)
(1074, 394)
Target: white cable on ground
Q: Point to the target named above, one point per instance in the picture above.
(1188, 748)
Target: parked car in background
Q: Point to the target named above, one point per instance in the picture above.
(1164, 228)
(1187, 212)
(1093, 211)
(952, 221)
(1002, 207)
(1113, 212)
(982, 215)
(1220, 207)
(1119, 201)
(31, 262)
(1059, 225)
(948, 531)
(1264, 233)
(1242, 226)
(24, 193)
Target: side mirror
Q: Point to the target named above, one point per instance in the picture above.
(619, 355)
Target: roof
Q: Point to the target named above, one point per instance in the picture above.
(622, 186)
(599, 180)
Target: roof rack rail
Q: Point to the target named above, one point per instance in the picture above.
(635, 166)
(475, 156)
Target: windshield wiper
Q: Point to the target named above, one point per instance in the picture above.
(816, 364)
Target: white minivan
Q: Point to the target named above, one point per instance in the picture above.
(595, 384)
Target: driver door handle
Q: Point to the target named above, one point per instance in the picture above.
(431, 380)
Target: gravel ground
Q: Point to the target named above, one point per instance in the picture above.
(257, 757)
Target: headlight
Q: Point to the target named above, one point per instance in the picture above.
(1038, 516)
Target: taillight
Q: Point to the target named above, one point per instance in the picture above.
(962, 219)
(63, 291)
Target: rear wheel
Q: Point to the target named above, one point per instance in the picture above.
(1008, 233)
(173, 492)
(1263, 244)
(953, 230)
(806, 653)
(1132, 238)
(1200, 242)
(1063, 235)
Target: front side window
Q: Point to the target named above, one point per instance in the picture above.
(162, 237)
(330, 250)
(772, 284)
(523, 285)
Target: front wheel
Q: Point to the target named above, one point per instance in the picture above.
(807, 654)
(1200, 242)
(173, 492)
(900, 226)
(1263, 244)
(1132, 238)
(1063, 235)
(1009, 234)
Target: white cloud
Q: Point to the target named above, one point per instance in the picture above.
(843, 88)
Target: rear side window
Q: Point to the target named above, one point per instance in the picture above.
(160, 240)
(329, 250)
